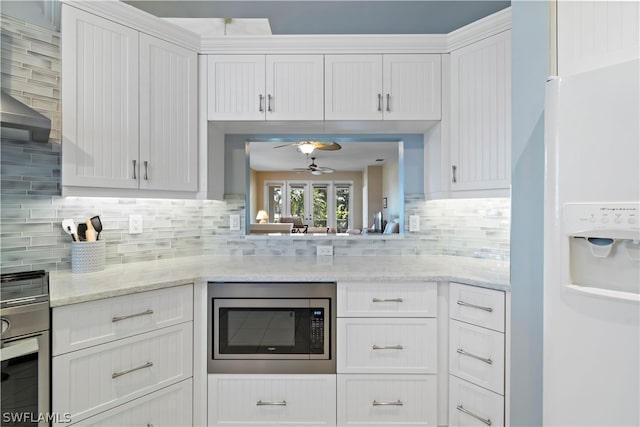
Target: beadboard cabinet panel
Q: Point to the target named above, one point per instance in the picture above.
(236, 87)
(412, 87)
(470, 405)
(169, 407)
(168, 116)
(99, 101)
(387, 400)
(89, 381)
(272, 400)
(481, 115)
(353, 87)
(294, 87)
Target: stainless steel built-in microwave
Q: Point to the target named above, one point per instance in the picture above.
(271, 328)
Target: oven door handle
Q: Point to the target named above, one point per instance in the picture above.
(19, 349)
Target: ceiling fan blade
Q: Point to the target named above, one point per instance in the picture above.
(328, 146)
(285, 145)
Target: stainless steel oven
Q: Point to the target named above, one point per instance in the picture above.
(25, 349)
(271, 328)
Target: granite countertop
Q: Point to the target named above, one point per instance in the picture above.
(68, 288)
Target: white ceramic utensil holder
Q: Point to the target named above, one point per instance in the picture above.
(87, 257)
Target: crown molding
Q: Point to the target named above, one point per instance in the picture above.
(480, 29)
(325, 44)
(138, 20)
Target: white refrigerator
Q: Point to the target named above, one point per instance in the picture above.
(591, 354)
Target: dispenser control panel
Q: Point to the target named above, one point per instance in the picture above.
(608, 219)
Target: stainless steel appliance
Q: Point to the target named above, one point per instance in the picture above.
(271, 328)
(25, 349)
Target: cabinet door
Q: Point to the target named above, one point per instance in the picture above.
(236, 87)
(353, 87)
(412, 87)
(168, 116)
(481, 114)
(294, 87)
(99, 101)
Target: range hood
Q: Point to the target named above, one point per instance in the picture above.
(21, 121)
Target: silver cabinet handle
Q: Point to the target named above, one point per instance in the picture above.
(454, 179)
(119, 374)
(143, 313)
(135, 162)
(461, 408)
(281, 403)
(387, 347)
(479, 307)
(269, 103)
(387, 300)
(379, 102)
(146, 170)
(483, 359)
(260, 100)
(388, 102)
(396, 403)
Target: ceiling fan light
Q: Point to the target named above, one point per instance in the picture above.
(306, 147)
(316, 173)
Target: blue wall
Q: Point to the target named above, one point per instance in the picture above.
(530, 59)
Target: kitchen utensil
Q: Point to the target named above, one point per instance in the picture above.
(82, 232)
(91, 232)
(97, 225)
(69, 227)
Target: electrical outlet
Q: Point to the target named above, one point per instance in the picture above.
(324, 250)
(414, 223)
(234, 222)
(135, 224)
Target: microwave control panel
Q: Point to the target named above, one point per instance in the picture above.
(317, 331)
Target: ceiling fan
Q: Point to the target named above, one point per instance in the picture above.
(315, 169)
(307, 147)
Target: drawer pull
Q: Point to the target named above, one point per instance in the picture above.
(396, 403)
(387, 347)
(119, 318)
(485, 360)
(387, 300)
(461, 408)
(119, 374)
(479, 307)
(261, 403)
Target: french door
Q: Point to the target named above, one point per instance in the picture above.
(309, 200)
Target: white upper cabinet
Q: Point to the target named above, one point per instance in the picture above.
(168, 116)
(383, 87)
(265, 87)
(130, 110)
(481, 115)
(100, 126)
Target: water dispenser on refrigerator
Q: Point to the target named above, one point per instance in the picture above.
(604, 248)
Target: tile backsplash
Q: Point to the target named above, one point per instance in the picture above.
(32, 208)
(32, 237)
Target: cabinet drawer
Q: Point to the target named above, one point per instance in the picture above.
(91, 323)
(387, 400)
(477, 355)
(272, 400)
(92, 380)
(479, 306)
(470, 405)
(170, 407)
(364, 299)
(387, 346)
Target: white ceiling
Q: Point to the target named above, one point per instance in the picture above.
(354, 156)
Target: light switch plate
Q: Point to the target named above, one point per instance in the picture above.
(135, 224)
(324, 250)
(234, 222)
(414, 223)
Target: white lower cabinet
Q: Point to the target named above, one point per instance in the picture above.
(170, 407)
(470, 405)
(387, 400)
(271, 400)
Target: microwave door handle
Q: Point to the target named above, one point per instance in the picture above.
(19, 349)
